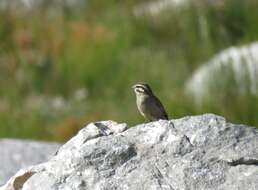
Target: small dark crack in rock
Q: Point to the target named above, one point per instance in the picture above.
(90, 138)
(103, 129)
(243, 161)
(159, 176)
(188, 140)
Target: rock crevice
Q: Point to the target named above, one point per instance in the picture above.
(244, 161)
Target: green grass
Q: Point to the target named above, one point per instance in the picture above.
(105, 49)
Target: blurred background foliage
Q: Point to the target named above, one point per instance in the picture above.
(60, 70)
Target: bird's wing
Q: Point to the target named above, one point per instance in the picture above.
(162, 109)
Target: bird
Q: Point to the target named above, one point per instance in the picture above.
(148, 104)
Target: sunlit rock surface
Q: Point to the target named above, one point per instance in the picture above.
(235, 67)
(199, 152)
(154, 8)
(17, 154)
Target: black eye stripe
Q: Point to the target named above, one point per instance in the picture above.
(140, 86)
(137, 90)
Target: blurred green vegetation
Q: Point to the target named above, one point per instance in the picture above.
(58, 73)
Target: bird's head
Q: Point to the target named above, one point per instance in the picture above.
(142, 89)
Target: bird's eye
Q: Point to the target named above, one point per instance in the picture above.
(139, 90)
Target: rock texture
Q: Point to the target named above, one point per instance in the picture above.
(237, 69)
(192, 153)
(158, 7)
(16, 154)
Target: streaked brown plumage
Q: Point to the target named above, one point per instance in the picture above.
(148, 104)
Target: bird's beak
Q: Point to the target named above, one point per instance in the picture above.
(133, 87)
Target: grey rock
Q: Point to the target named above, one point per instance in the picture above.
(16, 154)
(193, 153)
(237, 63)
(154, 9)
